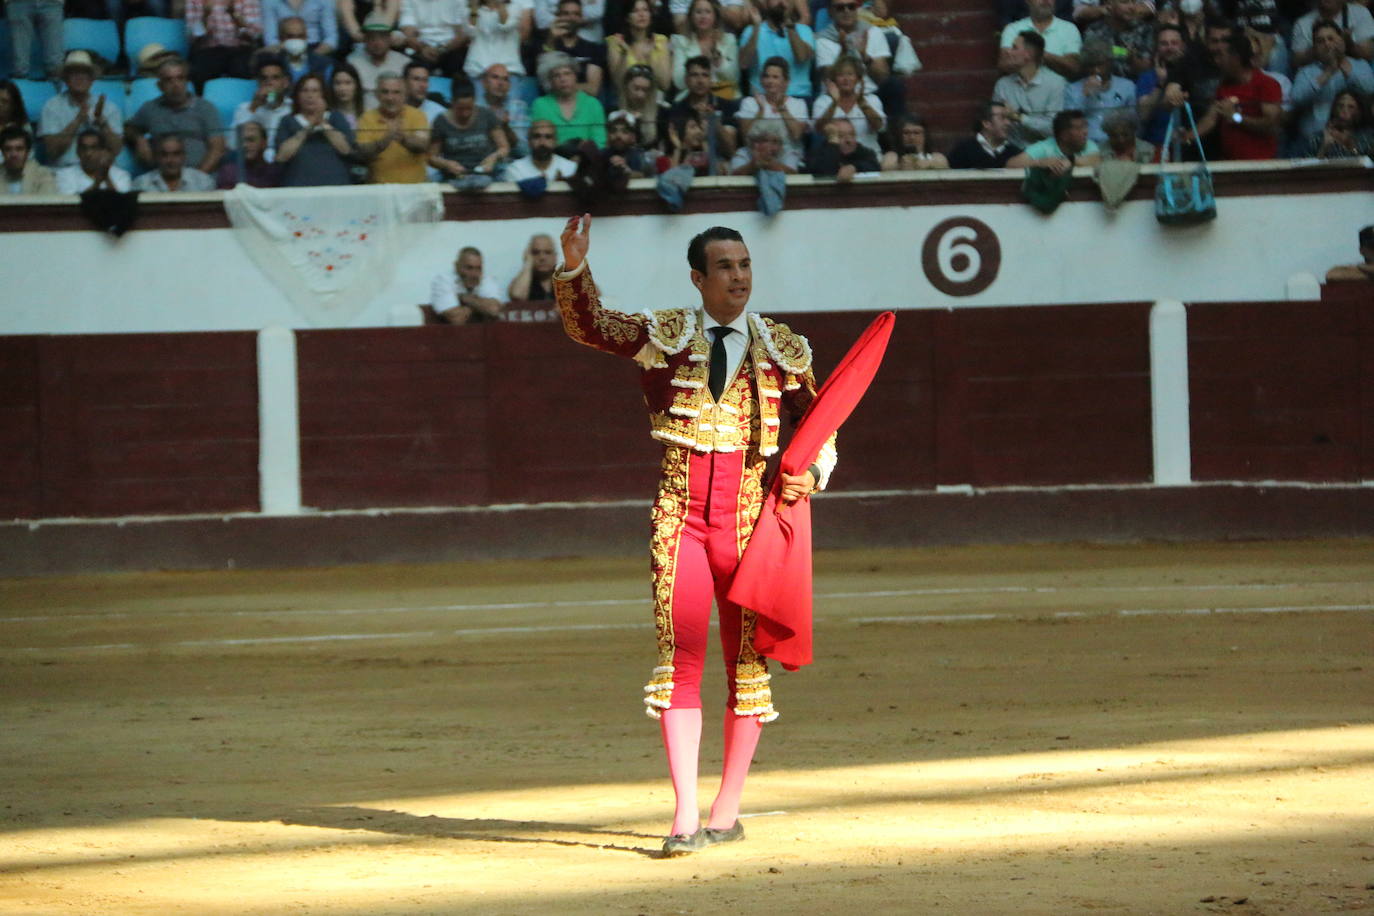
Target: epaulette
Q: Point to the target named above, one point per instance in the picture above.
(789, 350)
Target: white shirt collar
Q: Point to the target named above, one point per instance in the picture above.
(740, 325)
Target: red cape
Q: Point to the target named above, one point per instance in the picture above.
(774, 575)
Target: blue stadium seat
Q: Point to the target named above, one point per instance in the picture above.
(527, 89)
(6, 64)
(98, 35)
(35, 93)
(226, 93)
(442, 85)
(142, 31)
(140, 91)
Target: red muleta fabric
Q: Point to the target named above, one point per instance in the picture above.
(774, 575)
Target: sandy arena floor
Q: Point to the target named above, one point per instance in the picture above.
(1158, 729)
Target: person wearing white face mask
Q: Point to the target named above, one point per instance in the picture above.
(295, 53)
(320, 18)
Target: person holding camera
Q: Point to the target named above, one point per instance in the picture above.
(775, 32)
(314, 144)
(590, 57)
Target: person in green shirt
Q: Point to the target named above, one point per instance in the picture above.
(576, 115)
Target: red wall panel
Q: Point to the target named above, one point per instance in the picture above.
(146, 424)
(20, 436)
(1279, 390)
(1044, 396)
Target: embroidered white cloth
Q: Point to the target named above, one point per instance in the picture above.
(330, 250)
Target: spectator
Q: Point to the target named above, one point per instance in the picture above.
(1332, 72)
(375, 56)
(270, 102)
(719, 115)
(845, 99)
(624, 152)
(1355, 22)
(589, 27)
(416, 76)
(315, 146)
(514, 114)
(12, 110)
(1346, 133)
(346, 92)
(542, 160)
(588, 57)
(22, 174)
(1260, 20)
(94, 167)
(223, 34)
(495, 30)
(909, 152)
(75, 109)
(1099, 93)
(703, 36)
(1246, 113)
(27, 17)
(464, 296)
(989, 147)
(773, 105)
(1363, 270)
(763, 152)
(177, 111)
(1062, 39)
(250, 165)
(638, 45)
(434, 33)
(1068, 147)
(393, 138)
(354, 13)
(577, 115)
(171, 173)
(151, 58)
(1130, 40)
(1164, 87)
(775, 33)
(1123, 143)
(688, 144)
(295, 54)
(842, 156)
(1032, 94)
(642, 99)
(849, 36)
(467, 139)
(534, 282)
(320, 17)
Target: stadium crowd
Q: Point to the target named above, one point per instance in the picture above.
(594, 92)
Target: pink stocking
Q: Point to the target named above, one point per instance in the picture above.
(741, 737)
(682, 740)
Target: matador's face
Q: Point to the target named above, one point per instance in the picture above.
(728, 280)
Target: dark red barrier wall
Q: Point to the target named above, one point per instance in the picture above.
(128, 424)
(1282, 390)
(1044, 396)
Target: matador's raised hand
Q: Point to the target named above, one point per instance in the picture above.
(576, 238)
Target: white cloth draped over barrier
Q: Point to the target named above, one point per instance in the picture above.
(330, 250)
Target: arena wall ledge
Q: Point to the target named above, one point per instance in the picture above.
(1096, 421)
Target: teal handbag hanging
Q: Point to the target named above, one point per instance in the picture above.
(1183, 198)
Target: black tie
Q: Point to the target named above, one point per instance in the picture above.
(717, 379)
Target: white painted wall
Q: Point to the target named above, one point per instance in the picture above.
(805, 260)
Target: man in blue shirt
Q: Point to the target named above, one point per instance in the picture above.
(776, 33)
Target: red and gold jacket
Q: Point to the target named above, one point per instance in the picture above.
(673, 353)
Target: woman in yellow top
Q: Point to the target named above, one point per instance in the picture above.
(639, 45)
(704, 37)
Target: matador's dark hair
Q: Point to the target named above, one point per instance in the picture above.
(696, 250)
